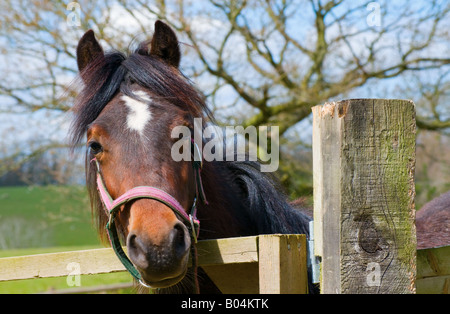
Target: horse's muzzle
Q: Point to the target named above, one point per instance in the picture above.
(163, 264)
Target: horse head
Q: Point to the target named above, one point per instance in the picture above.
(127, 109)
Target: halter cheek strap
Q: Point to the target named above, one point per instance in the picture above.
(112, 207)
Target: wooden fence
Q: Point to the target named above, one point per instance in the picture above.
(364, 219)
(259, 264)
(433, 270)
(232, 263)
(364, 211)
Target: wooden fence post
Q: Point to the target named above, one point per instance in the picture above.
(282, 264)
(364, 212)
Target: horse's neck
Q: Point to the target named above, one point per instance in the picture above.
(219, 218)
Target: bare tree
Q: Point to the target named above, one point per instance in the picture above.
(296, 54)
(259, 62)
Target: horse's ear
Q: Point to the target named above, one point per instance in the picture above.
(164, 44)
(88, 50)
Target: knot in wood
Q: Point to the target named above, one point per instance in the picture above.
(369, 239)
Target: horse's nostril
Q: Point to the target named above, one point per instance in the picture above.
(131, 241)
(137, 251)
(180, 240)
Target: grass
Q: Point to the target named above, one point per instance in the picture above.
(44, 217)
(36, 220)
(45, 285)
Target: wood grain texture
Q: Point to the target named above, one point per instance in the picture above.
(96, 261)
(282, 264)
(365, 161)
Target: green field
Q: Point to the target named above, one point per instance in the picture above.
(36, 220)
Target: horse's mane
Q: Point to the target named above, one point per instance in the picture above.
(267, 208)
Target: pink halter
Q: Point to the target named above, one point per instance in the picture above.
(150, 192)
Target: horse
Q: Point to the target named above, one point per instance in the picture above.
(433, 223)
(126, 109)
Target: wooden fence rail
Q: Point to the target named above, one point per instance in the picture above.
(433, 270)
(259, 264)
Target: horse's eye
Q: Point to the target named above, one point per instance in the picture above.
(95, 148)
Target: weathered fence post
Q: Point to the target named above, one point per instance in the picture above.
(364, 212)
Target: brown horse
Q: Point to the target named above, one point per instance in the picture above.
(127, 108)
(433, 223)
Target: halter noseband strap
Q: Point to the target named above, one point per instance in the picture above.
(113, 206)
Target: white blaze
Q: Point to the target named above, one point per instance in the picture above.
(139, 114)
